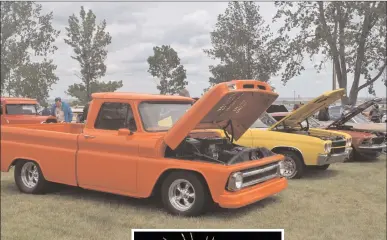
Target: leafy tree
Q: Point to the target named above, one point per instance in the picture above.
(165, 65)
(351, 34)
(241, 41)
(25, 31)
(34, 80)
(79, 90)
(89, 42)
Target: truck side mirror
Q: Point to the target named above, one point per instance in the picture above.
(124, 132)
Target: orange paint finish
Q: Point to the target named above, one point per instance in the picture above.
(131, 164)
(248, 196)
(6, 119)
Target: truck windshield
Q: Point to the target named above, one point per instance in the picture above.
(161, 116)
(21, 109)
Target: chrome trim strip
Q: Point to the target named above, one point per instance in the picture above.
(259, 180)
(374, 146)
(258, 171)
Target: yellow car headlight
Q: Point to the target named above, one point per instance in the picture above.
(328, 147)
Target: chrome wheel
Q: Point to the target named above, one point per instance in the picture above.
(30, 174)
(288, 167)
(181, 194)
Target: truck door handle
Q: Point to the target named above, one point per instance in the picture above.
(88, 136)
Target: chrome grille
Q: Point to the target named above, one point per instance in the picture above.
(340, 143)
(260, 174)
(338, 146)
(377, 140)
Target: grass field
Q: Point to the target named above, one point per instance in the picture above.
(347, 201)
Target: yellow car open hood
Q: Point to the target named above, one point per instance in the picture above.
(293, 119)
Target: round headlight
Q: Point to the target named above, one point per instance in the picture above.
(328, 147)
(235, 182)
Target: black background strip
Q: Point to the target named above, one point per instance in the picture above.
(272, 235)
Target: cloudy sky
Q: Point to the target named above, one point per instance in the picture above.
(136, 27)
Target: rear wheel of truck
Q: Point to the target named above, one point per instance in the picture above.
(29, 177)
(185, 193)
(293, 166)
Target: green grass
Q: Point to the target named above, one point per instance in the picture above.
(347, 201)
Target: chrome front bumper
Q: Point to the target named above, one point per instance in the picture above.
(373, 150)
(324, 159)
(373, 147)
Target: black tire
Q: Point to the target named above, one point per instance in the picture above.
(300, 166)
(322, 168)
(202, 195)
(41, 184)
(354, 156)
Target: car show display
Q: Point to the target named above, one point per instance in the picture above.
(222, 148)
(188, 166)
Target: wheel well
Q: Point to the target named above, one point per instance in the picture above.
(164, 175)
(16, 161)
(296, 151)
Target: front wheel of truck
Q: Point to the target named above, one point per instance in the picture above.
(29, 177)
(185, 194)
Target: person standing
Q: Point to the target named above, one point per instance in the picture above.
(62, 111)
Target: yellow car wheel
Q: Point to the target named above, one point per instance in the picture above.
(293, 166)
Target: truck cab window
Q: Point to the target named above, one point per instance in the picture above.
(113, 116)
(1, 109)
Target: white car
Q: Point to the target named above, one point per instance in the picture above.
(77, 113)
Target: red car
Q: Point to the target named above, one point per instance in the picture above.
(365, 144)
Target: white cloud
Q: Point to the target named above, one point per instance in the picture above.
(136, 27)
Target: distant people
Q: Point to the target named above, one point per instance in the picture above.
(296, 106)
(323, 114)
(184, 93)
(62, 111)
(375, 114)
(46, 111)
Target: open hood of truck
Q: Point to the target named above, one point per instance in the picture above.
(294, 118)
(225, 106)
(354, 111)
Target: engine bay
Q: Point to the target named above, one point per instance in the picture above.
(217, 150)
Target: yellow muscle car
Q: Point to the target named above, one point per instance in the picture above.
(303, 146)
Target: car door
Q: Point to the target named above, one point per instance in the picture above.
(107, 161)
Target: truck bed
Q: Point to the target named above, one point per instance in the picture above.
(53, 146)
(72, 128)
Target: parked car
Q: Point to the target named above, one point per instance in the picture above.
(122, 149)
(303, 147)
(77, 113)
(366, 144)
(21, 111)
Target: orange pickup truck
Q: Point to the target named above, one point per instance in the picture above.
(141, 145)
(21, 111)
